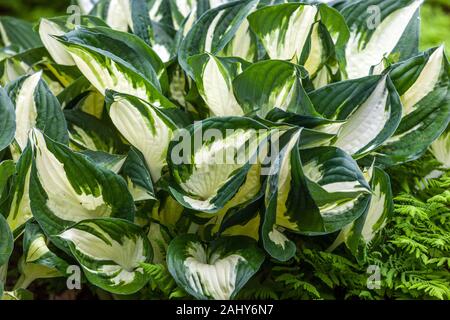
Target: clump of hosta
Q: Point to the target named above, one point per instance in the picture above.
(206, 136)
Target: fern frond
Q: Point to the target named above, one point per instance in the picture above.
(160, 279)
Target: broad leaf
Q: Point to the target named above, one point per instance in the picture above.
(217, 271)
(424, 87)
(6, 241)
(88, 132)
(358, 235)
(139, 177)
(315, 191)
(118, 61)
(145, 127)
(35, 107)
(211, 160)
(7, 120)
(369, 43)
(124, 15)
(18, 34)
(18, 204)
(48, 28)
(110, 252)
(370, 107)
(38, 261)
(67, 187)
(214, 78)
(441, 149)
(214, 30)
(272, 84)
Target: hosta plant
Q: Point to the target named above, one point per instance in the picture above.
(184, 147)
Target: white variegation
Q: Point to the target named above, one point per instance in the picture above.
(337, 209)
(26, 109)
(20, 211)
(4, 36)
(139, 193)
(382, 42)
(288, 43)
(284, 185)
(214, 277)
(48, 29)
(62, 198)
(119, 261)
(218, 90)
(108, 75)
(278, 238)
(214, 165)
(281, 97)
(314, 61)
(242, 44)
(375, 214)
(13, 70)
(366, 122)
(211, 31)
(87, 5)
(119, 15)
(154, 11)
(441, 149)
(150, 135)
(425, 83)
(37, 249)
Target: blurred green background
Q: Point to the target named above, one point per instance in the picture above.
(435, 16)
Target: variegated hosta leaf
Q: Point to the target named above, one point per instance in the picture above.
(272, 84)
(38, 261)
(358, 235)
(7, 120)
(7, 169)
(313, 36)
(370, 106)
(58, 27)
(317, 191)
(218, 271)
(106, 160)
(146, 127)
(318, 131)
(284, 29)
(6, 242)
(18, 204)
(118, 61)
(243, 220)
(211, 161)
(167, 211)
(441, 149)
(33, 60)
(241, 215)
(35, 107)
(138, 177)
(160, 12)
(423, 83)
(18, 34)
(67, 187)
(110, 252)
(192, 9)
(88, 132)
(214, 79)
(214, 30)
(124, 15)
(370, 42)
(159, 239)
(183, 9)
(81, 95)
(86, 5)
